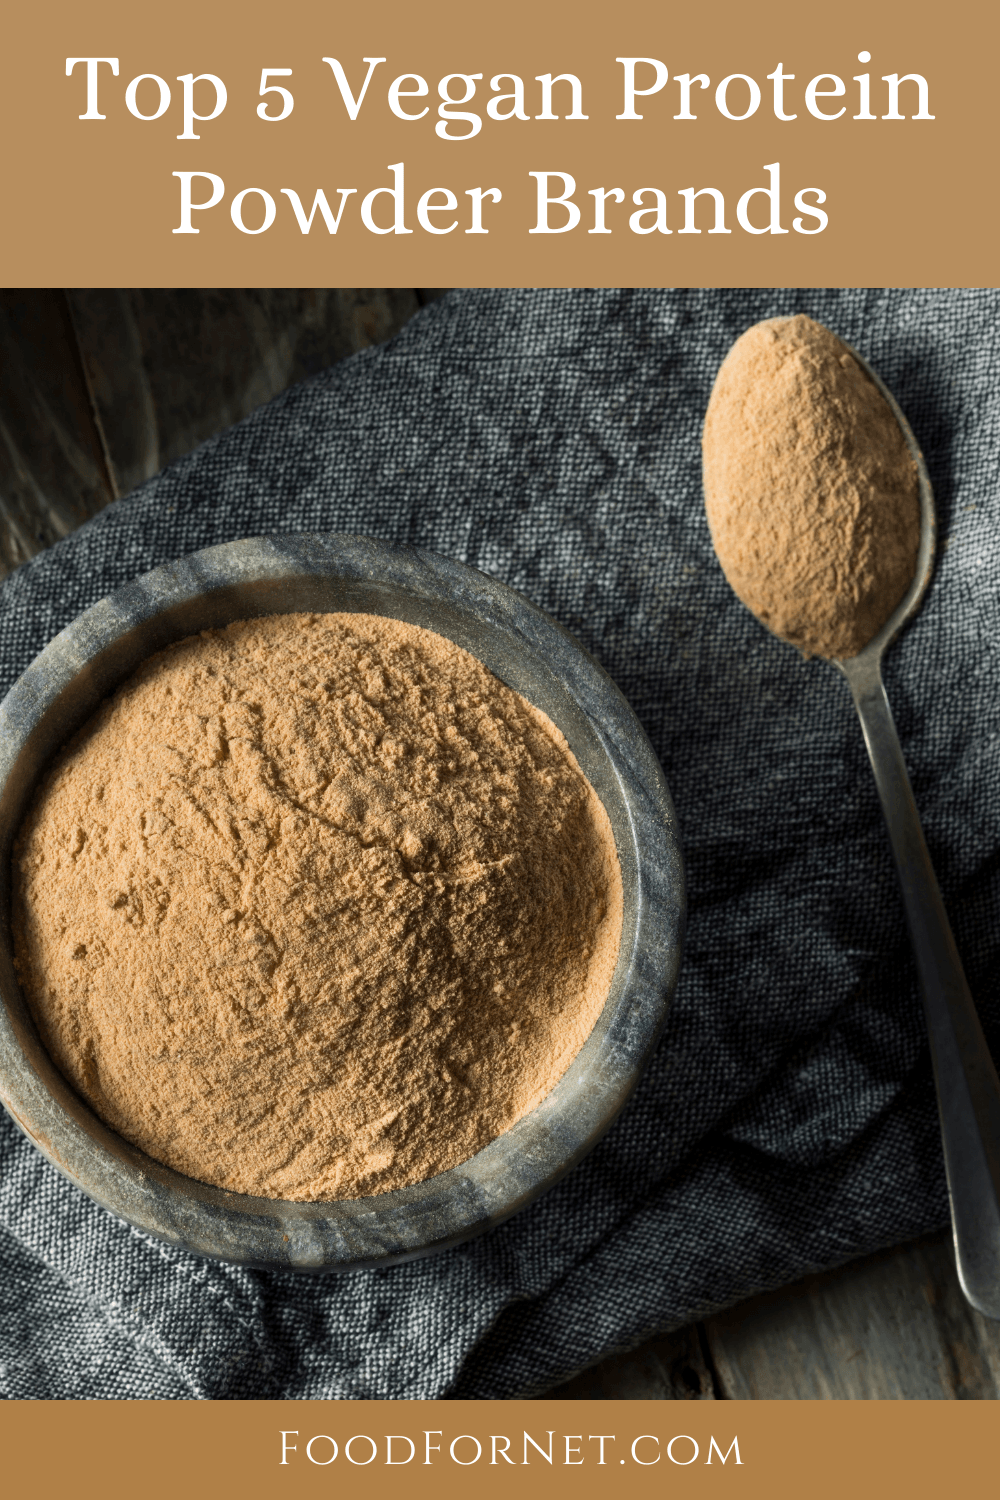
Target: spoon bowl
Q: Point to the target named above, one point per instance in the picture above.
(927, 547)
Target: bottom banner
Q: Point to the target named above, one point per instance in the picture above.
(510, 1449)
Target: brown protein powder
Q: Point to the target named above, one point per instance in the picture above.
(315, 907)
(811, 492)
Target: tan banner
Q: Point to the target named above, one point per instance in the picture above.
(527, 143)
(516, 1450)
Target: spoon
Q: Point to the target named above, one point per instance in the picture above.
(968, 1090)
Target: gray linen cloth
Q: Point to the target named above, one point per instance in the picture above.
(787, 1121)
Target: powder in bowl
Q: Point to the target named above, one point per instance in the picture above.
(810, 489)
(315, 907)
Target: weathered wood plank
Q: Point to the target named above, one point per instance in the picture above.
(891, 1327)
(169, 368)
(100, 389)
(52, 470)
(671, 1368)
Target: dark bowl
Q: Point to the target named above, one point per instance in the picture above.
(532, 654)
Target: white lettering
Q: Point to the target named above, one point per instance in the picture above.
(396, 194)
(397, 92)
(236, 210)
(894, 80)
(659, 213)
(660, 76)
(319, 202)
(689, 195)
(814, 92)
(449, 115)
(493, 108)
(321, 1437)
(721, 96)
(712, 1444)
(779, 80)
(287, 102)
(773, 193)
(133, 88)
(466, 1437)
(351, 104)
(426, 207)
(504, 1451)
(864, 92)
(361, 1462)
(92, 63)
(478, 196)
(546, 80)
(189, 80)
(682, 1437)
(814, 213)
(538, 1448)
(600, 197)
(218, 188)
(685, 80)
(565, 199)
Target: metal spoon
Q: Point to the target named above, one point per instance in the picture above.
(968, 1090)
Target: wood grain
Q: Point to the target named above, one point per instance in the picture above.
(53, 473)
(168, 369)
(891, 1327)
(99, 389)
(672, 1368)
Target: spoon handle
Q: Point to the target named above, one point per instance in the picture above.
(968, 1090)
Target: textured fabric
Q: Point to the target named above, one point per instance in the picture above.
(787, 1121)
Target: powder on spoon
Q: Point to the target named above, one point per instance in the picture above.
(315, 907)
(810, 489)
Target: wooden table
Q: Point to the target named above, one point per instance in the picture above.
(100, 389)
